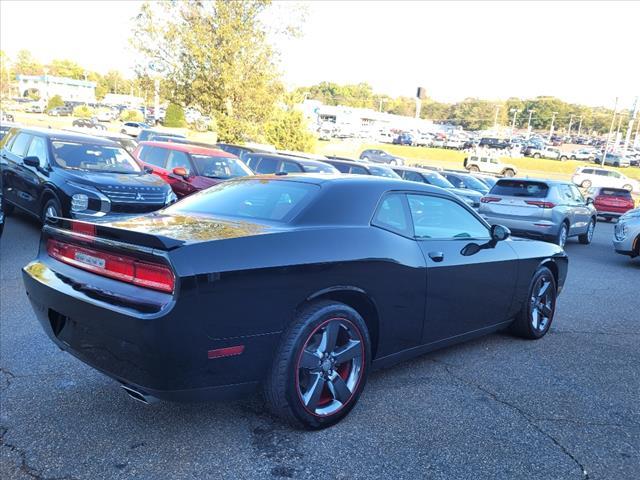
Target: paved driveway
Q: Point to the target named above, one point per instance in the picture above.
(565, 407)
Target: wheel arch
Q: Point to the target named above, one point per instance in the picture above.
(357, 299)
(553, 267)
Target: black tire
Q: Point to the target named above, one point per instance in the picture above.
(525, 325)
(585, 238)
(559, 239)
(54, 205)
(474, 168)
(628, 188)
(284, 387)
(365, 159)
(586, 184)
(563, 158)
(509, 173)
(536, 155)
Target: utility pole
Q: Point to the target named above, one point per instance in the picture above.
(580, 125)
(495, 120)
(606, 145)
(570, 123)
(627, 139)
(513, 124)
(618, 129)
(553, 118)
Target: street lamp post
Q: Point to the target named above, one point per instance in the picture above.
(613, 120)
(553, 118)
(513, 123)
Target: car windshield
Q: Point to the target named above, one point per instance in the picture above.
(519, 188)
(271, 200)
(438, 180)
(220, 167)
(615, 192)
(91, 157)
(383, 172)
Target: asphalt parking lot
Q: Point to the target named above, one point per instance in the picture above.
(565, 407)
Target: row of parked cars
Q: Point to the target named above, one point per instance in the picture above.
(71, 174)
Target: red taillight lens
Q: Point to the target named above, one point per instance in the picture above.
(540, 204)
(119, 267)
(490, 199)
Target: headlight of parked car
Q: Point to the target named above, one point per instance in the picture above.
(79, 202)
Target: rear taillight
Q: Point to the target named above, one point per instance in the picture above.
(490, 199)
(540, 204)
(120, 267)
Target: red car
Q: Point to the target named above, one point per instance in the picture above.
(189, 168)
(611, 202)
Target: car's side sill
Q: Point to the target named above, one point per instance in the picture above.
(410, 353)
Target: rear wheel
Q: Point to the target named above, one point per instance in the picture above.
(320, 367)
(586, 237)
(535, 318)
(536, 155)
(586, 184)
(563, 234)
(365, 159)
(474, 168)
(509, 173)
(628, 187)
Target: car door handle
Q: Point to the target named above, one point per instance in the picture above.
(436, 256)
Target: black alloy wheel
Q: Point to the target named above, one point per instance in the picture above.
(536, 315)
(321, 366)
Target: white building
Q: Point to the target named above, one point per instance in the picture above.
(47, 86)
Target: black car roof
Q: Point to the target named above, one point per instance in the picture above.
(64, 135)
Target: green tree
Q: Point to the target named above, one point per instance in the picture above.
(174, 116)
(215, 56)
(132, 116)
(66, 68)
(286, 130)
(26, 64)
(55, 101)
(6, 74)
(83, 111)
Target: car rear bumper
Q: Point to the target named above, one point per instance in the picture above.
(537, 228)
(162, 352)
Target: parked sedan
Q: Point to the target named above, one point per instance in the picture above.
(344, 165)
(430, 177)
(546, 209)
(380, 156)
(586, 154)
(189, 168)
(133, 128)
(466, 181)
(626, 236)
(299, 285)
(284, 164)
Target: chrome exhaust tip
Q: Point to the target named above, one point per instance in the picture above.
(139, 396)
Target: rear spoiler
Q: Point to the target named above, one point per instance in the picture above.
(66, 226)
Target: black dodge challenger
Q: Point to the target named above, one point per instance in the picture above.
(296, 284)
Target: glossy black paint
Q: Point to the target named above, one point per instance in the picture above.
(29, 187)
(241, 283)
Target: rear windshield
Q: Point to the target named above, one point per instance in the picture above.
(520, 188)
(615, 192)
(91, 157)
(271, 200)
(383, 172)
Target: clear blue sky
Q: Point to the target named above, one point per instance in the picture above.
(587, 52)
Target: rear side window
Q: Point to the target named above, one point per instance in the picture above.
(153, 155)
(20, 143)
(290, 167)
(412, 176)
(267, 165)
(392, 215)
(341, 167)
(359, 170)
(615, 192)
(520, 188)
(588, 171)
(276, 200)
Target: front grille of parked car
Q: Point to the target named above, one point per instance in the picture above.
(120, 194)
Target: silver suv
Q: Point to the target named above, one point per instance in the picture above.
(626, 237)
(547, 209)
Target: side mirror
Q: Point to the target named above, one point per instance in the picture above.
(589, 201)
(181, 172)
(31, 161)
(499, 233)
(148, 170)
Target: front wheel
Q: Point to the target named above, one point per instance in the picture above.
(365, 159)
(509, 173)
(586, 184)
(320, 367)
(536, 155)
(586, 237)
(474, 168)
(535, 317)
(51, 208)
(628, 188)
(563, 234)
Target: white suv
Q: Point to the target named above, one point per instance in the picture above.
(489, 164)
(587, 177)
